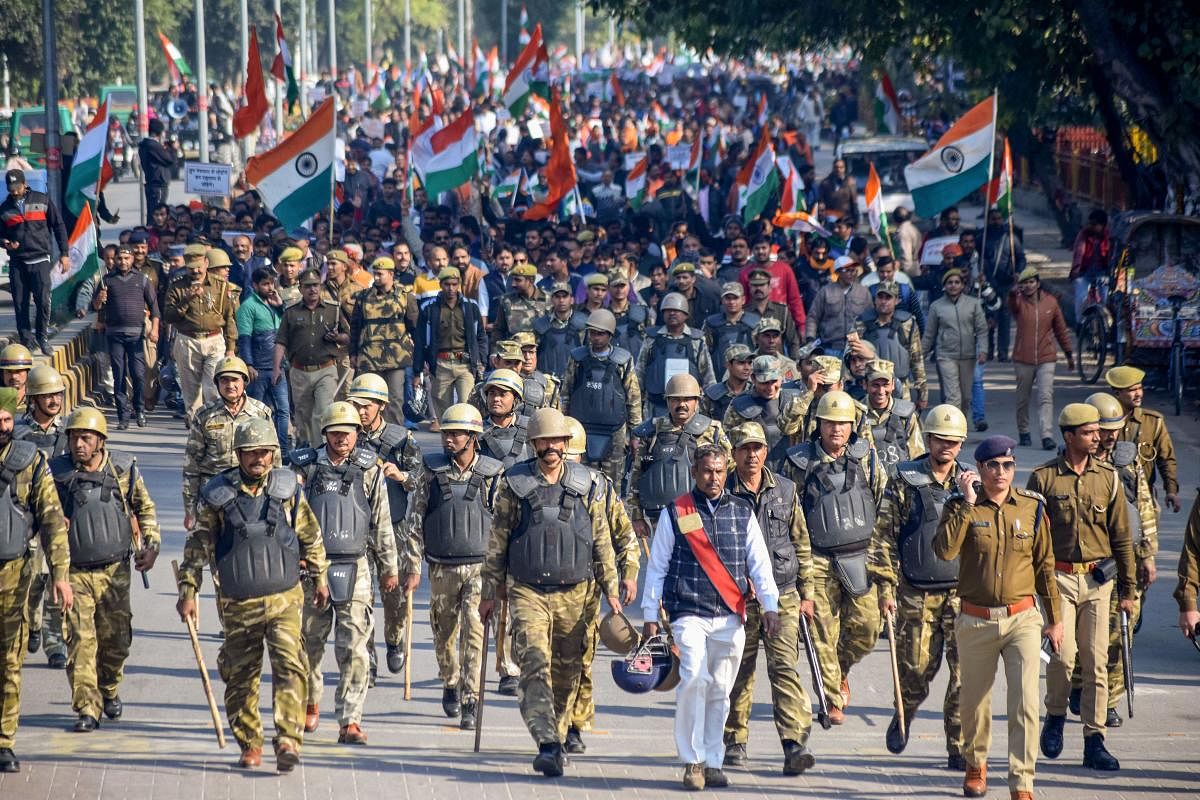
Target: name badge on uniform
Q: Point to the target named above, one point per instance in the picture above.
(981, 523)
(214, 426)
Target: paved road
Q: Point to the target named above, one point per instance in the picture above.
(164, 748)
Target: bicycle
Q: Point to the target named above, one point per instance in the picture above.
(1175, 372)
(1092, 332)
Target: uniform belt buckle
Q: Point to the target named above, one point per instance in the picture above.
(997, 612)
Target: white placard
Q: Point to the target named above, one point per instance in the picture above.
(208, 180)
(679, 156)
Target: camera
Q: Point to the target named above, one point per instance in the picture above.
(989, 298)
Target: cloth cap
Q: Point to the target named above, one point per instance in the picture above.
(994, 446)
(618, 279)
(1029, 273)
(953, 273)
(561, 287)
(383, 262)
(291, 254)
(195, 251)
(310, 277)
(747, 433)
(509, 350)
(1078, 414)
(737, 352)
(768, 324)
(14, 177)
(758, 276)
(337, 255)
(596, 279)
(1124, 377)
(139, 237)
(831, 369)
(844, 262)
(525, 339)
(732, 288)
(683, 266)
(449, 274)
(583, 237)
(525, 270)
(880, 368)
(890, 288)
(766, 368)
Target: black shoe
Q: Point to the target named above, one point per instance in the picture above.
(451, 706)
(895, 740)
(86, 724)
(123, 425)
(395, 658)
(57, 661)
(797, 758)
(508, 685)
(44, 345)
(8, 760)
(1096, 756)
(113, 707)
(35, 641)
(549, 761)
(1025, 440)
(981, 425)
(715, 778)
(141, 419)
(372, 678)
(1049, 444)
(467, 720)
(1114, 719)
(1073, 700)
(735, 755)
(574, 743)
(1052, 735)
(956, 763)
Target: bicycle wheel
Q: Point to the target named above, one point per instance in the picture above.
(1092, 341)
(1175, 377)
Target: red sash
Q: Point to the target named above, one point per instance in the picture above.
(714, 568)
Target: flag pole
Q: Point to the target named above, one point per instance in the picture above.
(987, 186)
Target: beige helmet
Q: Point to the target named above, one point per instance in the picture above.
(836, 407)
(577, 446)
(674, 301)
(618, 633)
(231, 365)
(1112, 415)
(87, 418)
(946, 422)
(44, 379)
(602, 320)
(683, 385)
(507, 380)
(16, 357)
(255, 434)
(367, 387)
(340, 416)
(548, 423)
(462, 417)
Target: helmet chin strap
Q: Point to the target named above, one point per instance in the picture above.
(454, 454)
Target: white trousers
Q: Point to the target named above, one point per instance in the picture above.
(709, 653)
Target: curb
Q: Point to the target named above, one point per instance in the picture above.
(70, 345)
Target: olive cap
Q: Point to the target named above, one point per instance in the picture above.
(890, 288)
(383, 262)
(738, 352)
(194, 252)
(509, 350)
(831, 369)
(747, 433)
(1124, 377)
(291, 254)
(953, 273)
(1074, 414)
(525, 270)
(1029, 273)
(525, 339)
(596, 279)
(310, 277)
(337, 255)
(767, 324)
(758, 276)
(618, 278)
(683, 266)
(732, 289)
(880, 368)
(449, 274)
(766, 368)
(561, 287)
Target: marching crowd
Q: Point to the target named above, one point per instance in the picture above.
(738, 414)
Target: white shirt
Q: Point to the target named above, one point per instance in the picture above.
(758, 565)
(900, 277)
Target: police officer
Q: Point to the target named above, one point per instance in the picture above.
(662, 465)
(517, 309)
(827, 377)
(768, 341)
(894, 426)
(290, 265)
(29, 507)
(777, 509)
(897, 338)
(717, 396)
(733, 325)
(1143, 522)
(198, 305)
(42, 424)
(671, 349)
(1087, 529)
(506, 430)
(15, 363)
(1001, 538)
(401, 455)
(628, 557)
(758, 284)
(102, 493)
(451, 518)
(547, 545)
(776, 409)
(918, 584)
(542, 390)
(1189, 576)
(506, 354)
(344, 485)
(1148, 430)
(601, 390)
(210, 448)
(560, 330)
(312, 336)
(632, 318)
(381, 332)
(840, 482)
(253, 515)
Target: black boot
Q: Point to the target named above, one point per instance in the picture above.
(549, 761)
(8, 760)
(1113, 720)
(467, 720)
(86, 724)
(574, 744)
(895, 740)
(508, 685)
(113, 707)
(35, 640)
(1052, 735)
(1073, 700)
(395, 658)
(1096, 756)
(797, 758)
(735, 755)
(451, 706)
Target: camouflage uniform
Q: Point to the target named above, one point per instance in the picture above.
(381, 339)
(925, 618)
(908, 335)
(788, 422)
(701, 365)
(350, 621)
(99, 627)
(516, 313)
(32, 488)
(717, 398)
(550, 389)
(628, 559)
(713, 434)
(613, 463)
(454, 591)
(807, 407)
(793, 715)
(889, 451)
(273, 620)
(1155, 450)
(846, 627)
(549, 627)
(209, 448)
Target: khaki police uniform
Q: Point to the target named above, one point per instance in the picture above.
(206, 332)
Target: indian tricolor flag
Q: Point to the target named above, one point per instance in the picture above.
(635, 183)
(762, 115)
(958, 164)
(85, 260)
(90, 171)
(176, 63)
(282, 67)
(757, 180)
(295, 179)
(529, 75)
(1000, 189)
(792, 213)
(873, 194)
(887, 107)
(452, 157)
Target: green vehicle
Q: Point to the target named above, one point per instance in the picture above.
(24, 123)
(121, 101)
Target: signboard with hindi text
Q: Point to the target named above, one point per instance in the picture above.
(206, 180)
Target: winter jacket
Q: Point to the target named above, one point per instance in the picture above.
(1036, 321)
(32, 227)
(955, 329)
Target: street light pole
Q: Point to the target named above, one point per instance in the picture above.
(50, 78)
(143, 118)
(408, 36)
(201, 80)
(504, 33)
(275, 85)
(462, 27)
(333, 73)
(579, 35)
(243, 144)
(304, 54)
(367, 31)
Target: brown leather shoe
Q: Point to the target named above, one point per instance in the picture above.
(312, 718)
(287, 756)
(1020, 795)
(251, 758)
(845, 692)
(352, 734)
(693, 777)
(837, 716)
(975, 782)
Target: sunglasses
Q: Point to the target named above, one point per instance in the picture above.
(995, 465)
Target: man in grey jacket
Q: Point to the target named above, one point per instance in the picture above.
(836, 307)
(956, 333)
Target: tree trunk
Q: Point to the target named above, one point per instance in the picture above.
(1114, 130)
(1041, 163)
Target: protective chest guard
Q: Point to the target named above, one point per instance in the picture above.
(670, 472)
(338, 498)
(100, 532)
(16, 520)
(891, 437)
(918, 562)
(258, 552)
(668, 351)
(457, 519)
(390, 447)
(598, 396)
(551, 545)
(1124, 458)
(508, 445)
